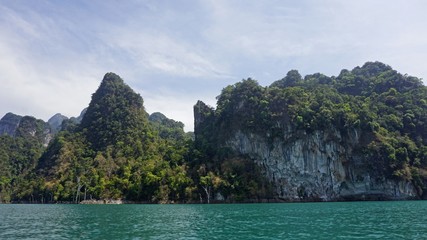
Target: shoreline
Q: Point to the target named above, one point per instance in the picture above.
(248, 201)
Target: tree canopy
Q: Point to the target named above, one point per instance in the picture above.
(119, 151)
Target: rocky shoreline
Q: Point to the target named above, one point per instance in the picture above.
(104, 201)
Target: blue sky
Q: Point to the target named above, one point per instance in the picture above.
(55, 53)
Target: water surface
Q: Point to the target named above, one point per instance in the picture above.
(346, 220)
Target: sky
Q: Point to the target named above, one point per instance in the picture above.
(54, 54)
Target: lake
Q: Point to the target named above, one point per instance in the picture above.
(337, 220)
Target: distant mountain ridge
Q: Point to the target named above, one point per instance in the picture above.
(55, 122)
(9, 123)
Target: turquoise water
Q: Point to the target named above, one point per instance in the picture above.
(347, 220)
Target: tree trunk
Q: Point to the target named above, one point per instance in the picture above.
(78, 190)
(207, 191)
(85, 193)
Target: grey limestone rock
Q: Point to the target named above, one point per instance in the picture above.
(56, 122)
(319, 166)
(9, 123)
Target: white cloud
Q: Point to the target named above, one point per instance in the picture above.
(54, 54)
(160, 53)
(175, 105)
(39, 84)
(318, 36)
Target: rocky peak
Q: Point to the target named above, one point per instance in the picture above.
(201, 113)
(26, 127)
(82, 114)
(114, 113)
(30, 127)
(9, 123)
(160, 118)
(157, 117)
(55, 122)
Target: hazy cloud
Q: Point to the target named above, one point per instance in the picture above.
(55, 53)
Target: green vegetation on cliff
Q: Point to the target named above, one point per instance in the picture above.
(388, 108)
(115, 153)
(19, 156)
(118, 151)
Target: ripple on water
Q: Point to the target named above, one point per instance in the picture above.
(355, 220)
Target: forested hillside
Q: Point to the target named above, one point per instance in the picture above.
(114, 153)
(359, 135)
(20, 150)
(365, 126)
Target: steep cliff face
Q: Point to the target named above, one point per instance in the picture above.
(361, 135)
(323, 165)
(32, 128)
(9, 123)
(26, 127)
(55, 122)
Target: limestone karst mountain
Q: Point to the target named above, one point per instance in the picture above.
(361, 135)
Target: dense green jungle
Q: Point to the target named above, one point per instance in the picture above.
(117, 151)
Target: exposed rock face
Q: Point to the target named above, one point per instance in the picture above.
(27, 127)
(9, 123)
(319, 166)
(30, 127)
(105, 201)
(201, 113)
(355, 136)
(56, 122)
(80, 117)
